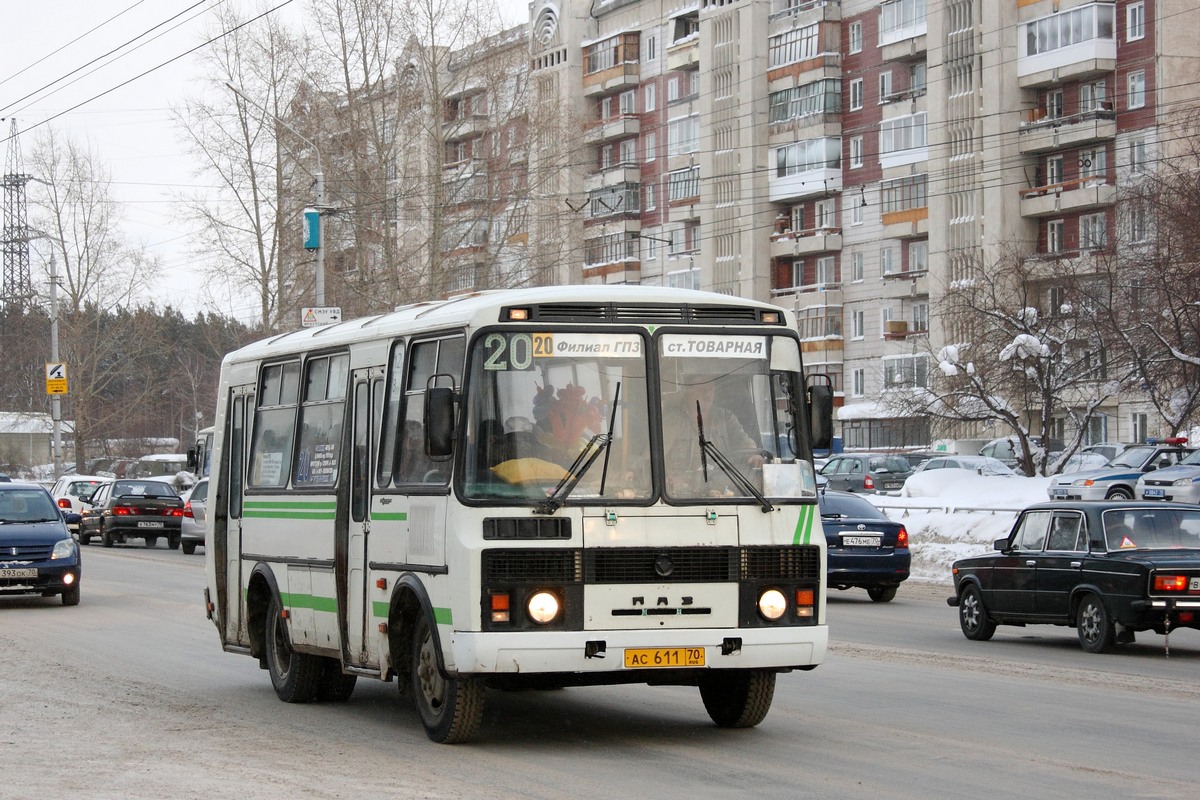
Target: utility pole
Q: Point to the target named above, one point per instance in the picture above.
(55, 396)
(17, 289)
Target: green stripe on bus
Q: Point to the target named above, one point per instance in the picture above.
(442, 616)
(390, 516)
(804, 525)
(290, 509)
(293, 600)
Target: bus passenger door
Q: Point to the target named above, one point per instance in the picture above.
(227, 519)
(366, 384)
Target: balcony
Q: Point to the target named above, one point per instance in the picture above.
(911, 223)
(789, 244)
(809, 183)
(1084, 194)
(1074, 62)
(1039, 133)
(468, 127)
(685, 55)
(813, 295)
(612, 176)
(906, 284)
(611, 65)
(608, 130)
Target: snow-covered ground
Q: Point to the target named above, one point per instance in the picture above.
(953, 513)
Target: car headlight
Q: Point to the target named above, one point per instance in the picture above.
(1182, 482)
(64, 548)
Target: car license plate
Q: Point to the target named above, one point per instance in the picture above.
(649, 657)
(19, 573)
(861, 541)
(1056, 491)
(1154, 492)
(893, 485)
(1194, 585)
(150, 524)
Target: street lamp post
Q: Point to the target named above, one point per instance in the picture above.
(319, 187)
(55, 399)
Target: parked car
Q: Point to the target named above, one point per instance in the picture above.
(982, 465)
(1008, 450)
(1107, 569)
(191, 531)
(866, 550)
(1079, 462)
(132, 509)
(1118, 481)
(38, 555)
(1180, 483)
(866, 472)
(1109, 450)
(69, 490)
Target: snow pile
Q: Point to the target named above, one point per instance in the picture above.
(955, 513)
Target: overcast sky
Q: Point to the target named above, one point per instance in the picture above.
(54, 68)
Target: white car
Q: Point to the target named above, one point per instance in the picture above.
(982, 465)
(69, 491)
(191, 530)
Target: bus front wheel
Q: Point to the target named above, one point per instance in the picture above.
(737, 698)
(295, 676)
(451, 709)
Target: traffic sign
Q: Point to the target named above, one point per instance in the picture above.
(320, 315)
(56, 377)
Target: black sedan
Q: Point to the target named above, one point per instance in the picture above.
(865, 549)
(132, 509)
(38, 555)
(1108, 569)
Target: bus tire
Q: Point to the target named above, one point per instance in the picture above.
(295, 676)
(737, 698)
(451, 709)
(334, 686)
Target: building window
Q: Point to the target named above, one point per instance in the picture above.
(684, 278)
(858, 382)
(903, 194)
(824, 213)
(855, 35)
(610, 249)
(624, 198)
(810, 154)
(818, 97)
(1091, 97)
(649, 99)
(827, 270)
(1139, 226)
(887, 261)
(1054, 171)
(885, 85)
(627, 149)
(651, 146)
(1139, 427)
(1054, 104)
(1055, 241)
(1093, 231)
(897, 17)
(1082, 24)
(1135, 28)
(628, 102)
(672, 89)
(650, 50)
(1137, 156)
(856, 151)
(1093, 165)
(856, 266)
(856, 94)
(796, 44)
(856, 213)
(916, 78)
(857, 325)
(906, 371)
(1137, 89)
(918, 256)
(651, 196)
(683, 184)
(902, 133)
(683, 135)
(651, 246)
(920, 317)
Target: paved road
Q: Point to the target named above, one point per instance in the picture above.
(129, 696)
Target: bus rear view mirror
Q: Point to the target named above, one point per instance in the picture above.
(820, 409)
(439, 421)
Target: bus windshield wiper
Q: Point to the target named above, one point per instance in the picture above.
(709, 450)
(591, 450)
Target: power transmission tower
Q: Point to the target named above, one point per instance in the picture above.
(17, 291)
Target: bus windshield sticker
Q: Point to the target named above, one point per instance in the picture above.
(517, 351)
(695, 345)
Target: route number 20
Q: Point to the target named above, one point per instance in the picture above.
(516, 350)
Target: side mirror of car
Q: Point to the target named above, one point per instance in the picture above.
(72, 518)
(1001, 545)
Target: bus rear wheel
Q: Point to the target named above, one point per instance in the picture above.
(737, 698)
(295, 676)
(451, 709)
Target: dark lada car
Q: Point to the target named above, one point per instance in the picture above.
(37, 553)
(1108, 569)
(133, 509)
(865, 549)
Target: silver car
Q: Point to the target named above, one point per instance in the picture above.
(191, 533)
(1180, 483)
(1118, 481)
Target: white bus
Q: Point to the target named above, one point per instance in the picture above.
(548, 487)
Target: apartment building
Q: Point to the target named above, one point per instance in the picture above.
(850, 159)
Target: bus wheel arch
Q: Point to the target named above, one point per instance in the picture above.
(261, 588)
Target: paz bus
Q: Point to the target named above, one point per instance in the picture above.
(562, 486)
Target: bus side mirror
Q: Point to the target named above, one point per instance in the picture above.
(439, 421)
(193, 460)
(820, 409)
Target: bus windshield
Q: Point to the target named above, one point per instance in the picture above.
(542, 404)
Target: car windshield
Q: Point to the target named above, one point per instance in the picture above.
(1192, 459)
(1133, 457)
(26, 505)
(142, 489)
(847, 505)
(1152, 528)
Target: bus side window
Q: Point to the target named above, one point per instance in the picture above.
(389, 441)
(275, 425)
(427, 358)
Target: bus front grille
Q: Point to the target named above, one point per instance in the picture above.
(660, 564)
(530, 565)
(801, 563)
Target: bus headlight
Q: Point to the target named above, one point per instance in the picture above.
(543, 607)
(772, 604)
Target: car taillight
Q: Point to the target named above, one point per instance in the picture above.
(187, 510)
(1170, 583)
(172, 512)
(868, 483)
(64, 503)
(122, 511)
(902, 537)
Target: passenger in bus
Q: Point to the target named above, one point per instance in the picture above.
(722, 427)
